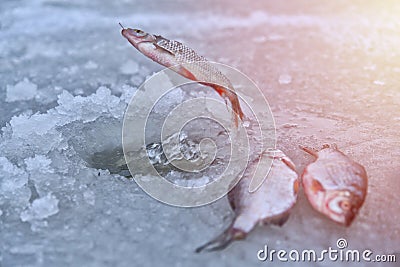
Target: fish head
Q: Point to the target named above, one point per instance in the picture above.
(136, 36)
(341, 206)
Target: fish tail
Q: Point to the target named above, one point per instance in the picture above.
(230, 95)
(236, 106)
(222, 241)
(309, 151)
(236, 109)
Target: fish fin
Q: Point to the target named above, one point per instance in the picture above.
(227, 93)
(316, 186)
(186, 73)
(159, 41)
(236, 109)
(222, 241)
(309, 150)
(162, 48)
(288, 163)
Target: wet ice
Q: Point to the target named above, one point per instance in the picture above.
(67, 79)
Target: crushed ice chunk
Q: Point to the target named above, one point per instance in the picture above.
(89, 108)
(1, 212)
(90, 65)
(285, 79)
(39, 163)
(16, 177)
(41, 208)
(23, 90)
(78, 91)
(13, 184)
(127, 93)
(28, 127)
(155, 153)
(129, 67)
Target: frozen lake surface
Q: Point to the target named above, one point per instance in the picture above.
(330, 72)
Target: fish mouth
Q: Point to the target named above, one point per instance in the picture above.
(345, 219)
(349, 217)
(124, 33)
(133, 39)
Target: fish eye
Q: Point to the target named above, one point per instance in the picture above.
(138, 33)
(345, 205)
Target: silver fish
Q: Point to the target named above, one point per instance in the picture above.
(186, 62)
(270, 203)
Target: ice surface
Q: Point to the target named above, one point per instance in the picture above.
(18, 177)
(91, 65)
(89, 197)
(13, 184)
(285, 79)
(23, 90)
(41, 208)
(39, 163)
(129, 67)
(377, 82)
(67, 75)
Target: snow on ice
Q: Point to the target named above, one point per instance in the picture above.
(23, 90)
(41, 208)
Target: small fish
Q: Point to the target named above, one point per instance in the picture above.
(186, 62)
(270, 203)
(334, 184)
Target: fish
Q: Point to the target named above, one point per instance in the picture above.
(269, 204)
(334, 184)
(186, 62)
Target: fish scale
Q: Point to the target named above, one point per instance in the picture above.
(334, 184)
(348, 172)
(198, 65)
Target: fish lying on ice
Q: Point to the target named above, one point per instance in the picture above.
(334, 184)
(270, 203)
